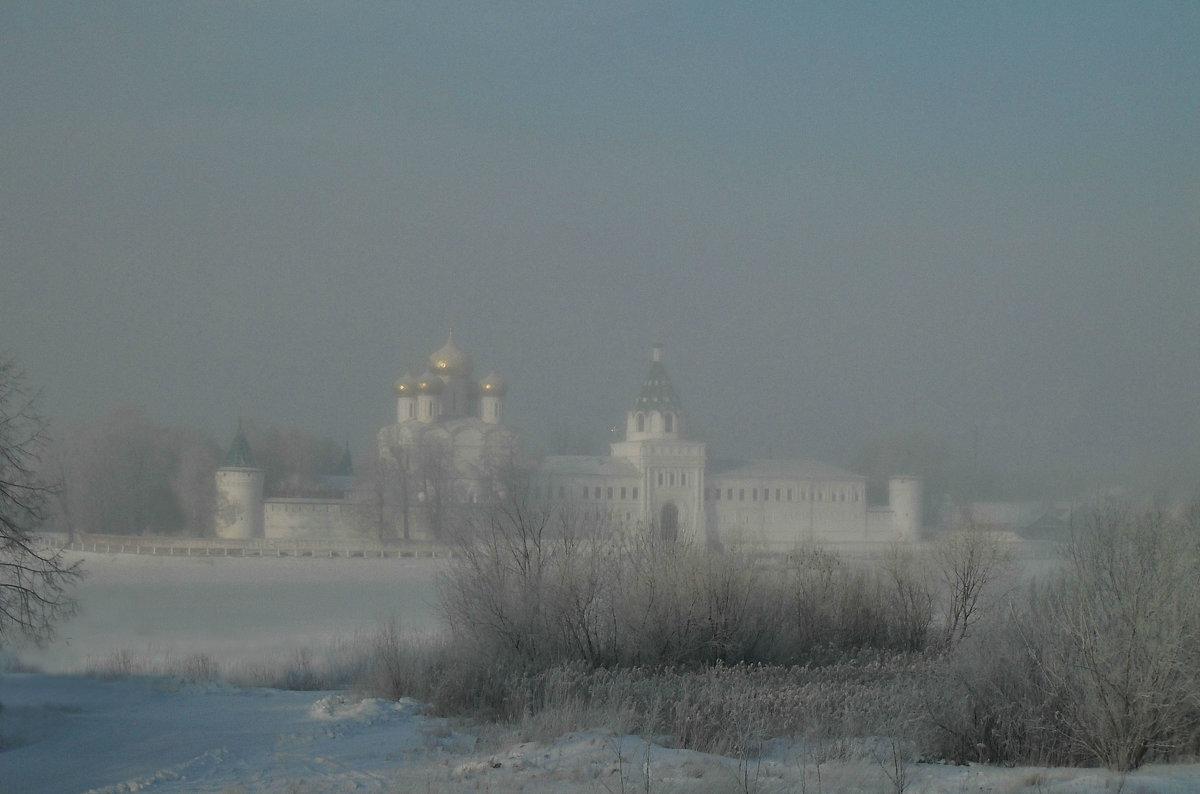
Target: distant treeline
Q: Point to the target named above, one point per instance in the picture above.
(126, 473)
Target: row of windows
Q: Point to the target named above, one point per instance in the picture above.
(610, 492)
(782, 494)
(593, 492)
(668, 422)
(670, 478)
(590, 492)
(434, 409)
(304, 508)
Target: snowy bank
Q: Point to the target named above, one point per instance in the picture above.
(79, 734)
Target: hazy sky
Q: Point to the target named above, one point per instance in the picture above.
(841, 219)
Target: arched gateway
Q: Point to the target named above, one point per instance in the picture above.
(668, 522)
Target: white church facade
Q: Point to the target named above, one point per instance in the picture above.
(660, 479)
(442, 455)
(449, 450)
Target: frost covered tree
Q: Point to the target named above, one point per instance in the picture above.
(34, 580)
(124, 473)
(974, 565)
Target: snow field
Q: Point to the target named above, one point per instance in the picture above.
(241, 613)
(76, 733)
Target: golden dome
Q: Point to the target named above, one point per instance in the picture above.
(406, 386)
(430, 383)
(450, 361)
(493, 385)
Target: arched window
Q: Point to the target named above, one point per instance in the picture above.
(669, 422)
(641, 423)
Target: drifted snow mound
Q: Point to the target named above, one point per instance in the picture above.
(368, 711)
(77, 734)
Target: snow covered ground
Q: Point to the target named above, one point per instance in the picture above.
(74, 733)
(80, 734)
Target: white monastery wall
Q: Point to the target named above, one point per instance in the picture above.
(311, 519)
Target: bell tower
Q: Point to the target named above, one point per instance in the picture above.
(671, 465)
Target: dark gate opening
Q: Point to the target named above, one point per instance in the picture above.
(668, 522)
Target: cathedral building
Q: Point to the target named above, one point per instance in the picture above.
(447, 449)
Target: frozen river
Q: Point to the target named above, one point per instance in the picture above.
(234, 609)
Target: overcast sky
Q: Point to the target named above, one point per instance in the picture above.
(841, 219)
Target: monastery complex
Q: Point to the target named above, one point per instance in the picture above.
(450, 453)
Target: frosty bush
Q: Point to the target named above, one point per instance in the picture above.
(1100, 666)
(552, 617)
(1128, 613)
(537, 587)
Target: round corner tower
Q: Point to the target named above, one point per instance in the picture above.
(905, 495)
(239, 493)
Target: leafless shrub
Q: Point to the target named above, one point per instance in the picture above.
(906, 579)
(535, 586)
(1129, 621)
(973, 564)
(1100, 665)
(993, 704)
(196, 668)
(118, 664)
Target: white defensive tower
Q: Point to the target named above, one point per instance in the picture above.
(904, 499)
(239, 493)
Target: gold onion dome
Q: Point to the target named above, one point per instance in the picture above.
(406, 386)
(493, 385)
(450, 361)
(430, 383)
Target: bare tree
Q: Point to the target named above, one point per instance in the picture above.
(906, 580)
(531, 582)
(1128, 624)
(34, 580)
(972, 563)
(292, 460)
(435, 475)
(192, 482)
(126, 473)
(385, 488)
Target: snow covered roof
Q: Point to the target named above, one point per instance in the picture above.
(588, 466)
(780, 470)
